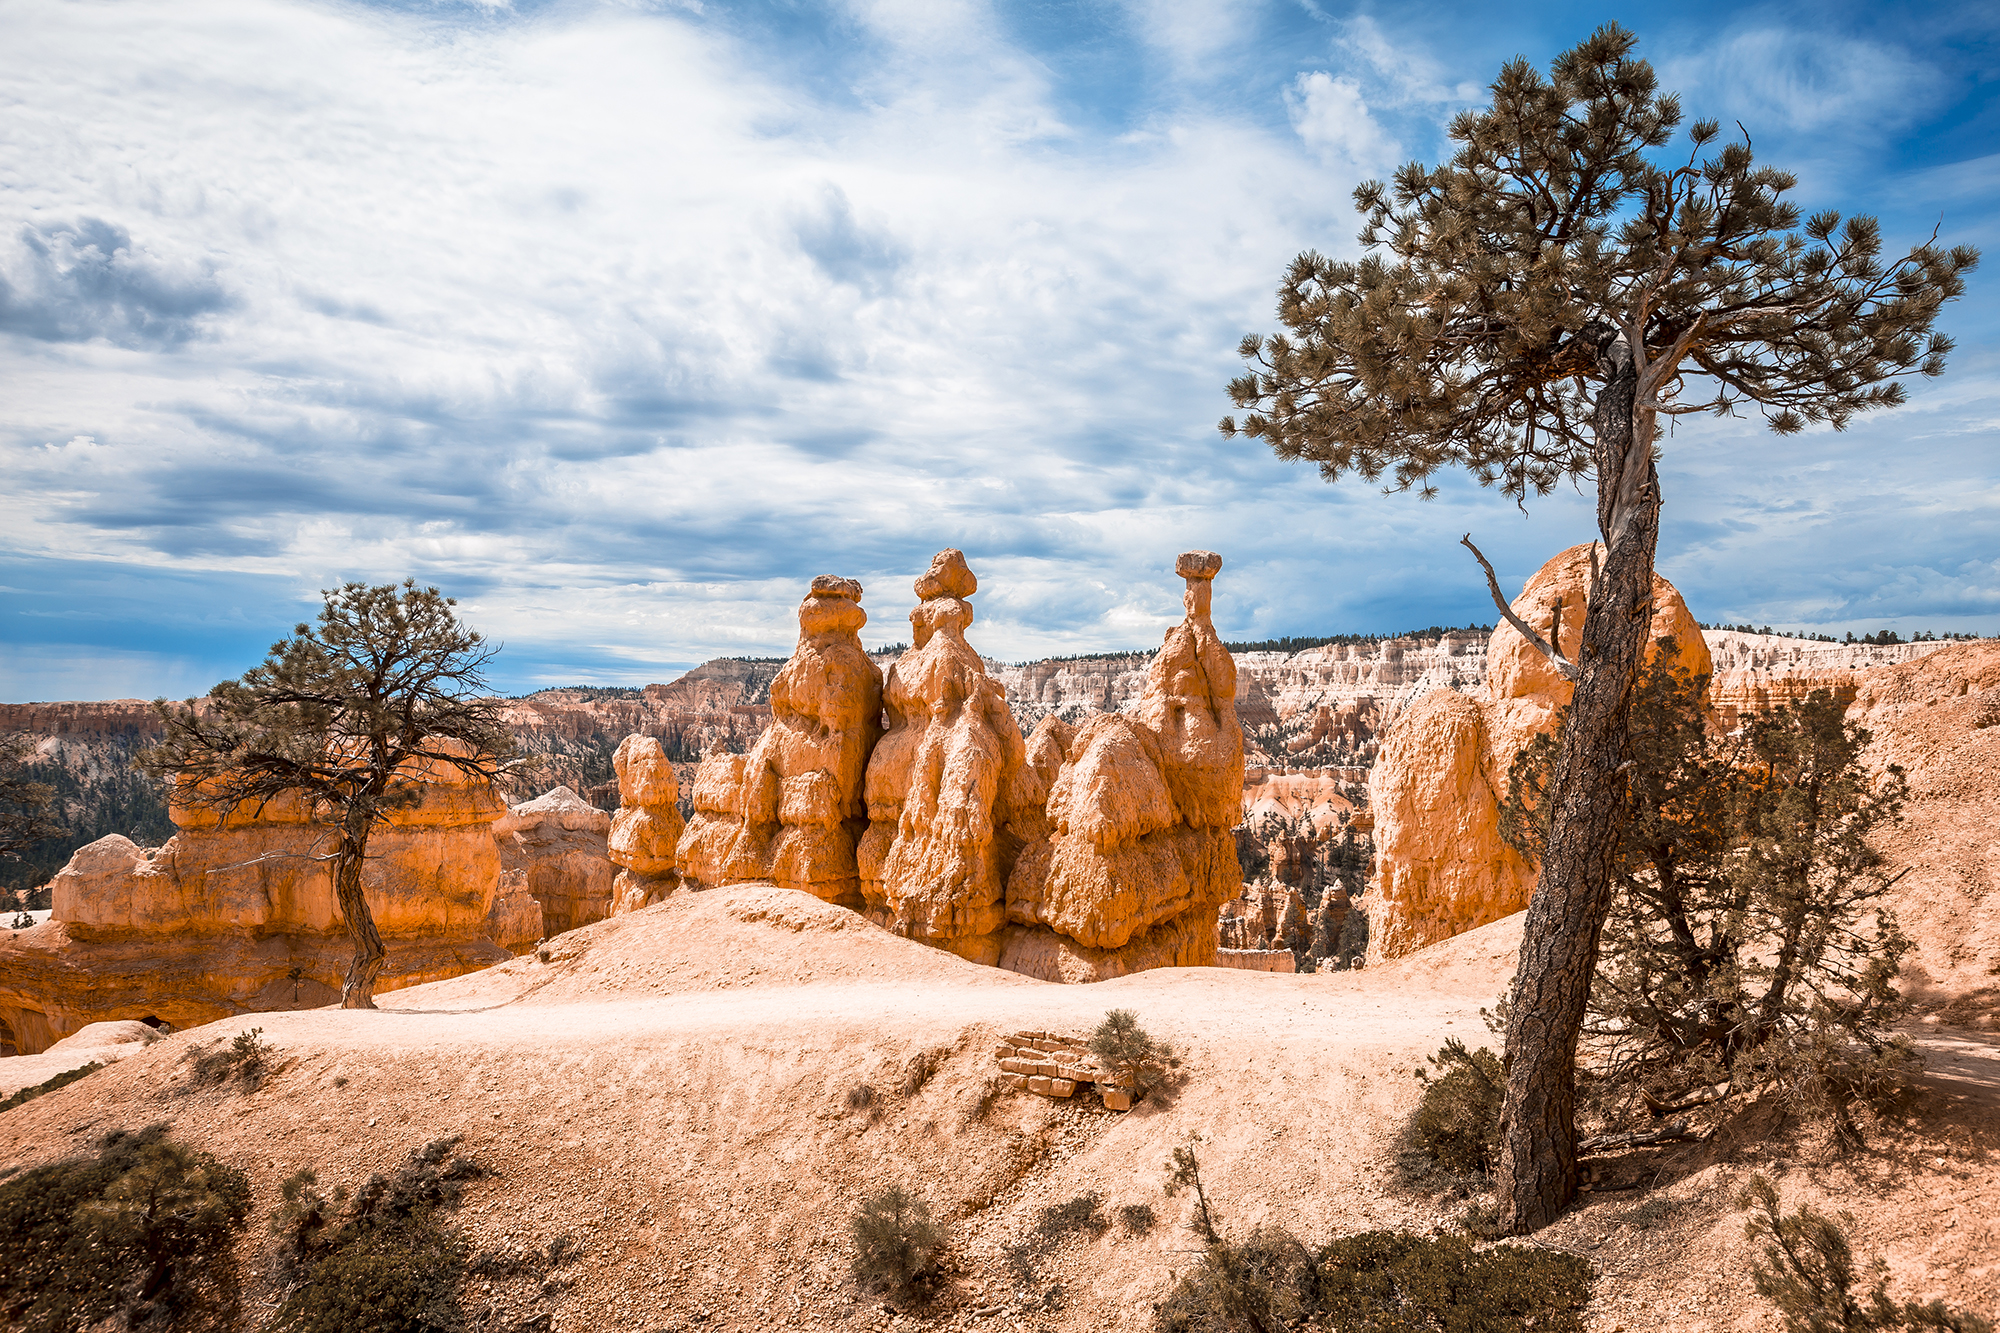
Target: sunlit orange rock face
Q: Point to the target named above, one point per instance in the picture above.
(1132, 854)
(1938, 718)
(932, 864)
(555, 846)
(235, 915)
(1436, 790)
(792, 810)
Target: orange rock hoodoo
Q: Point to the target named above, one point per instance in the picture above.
(1134, 853)
(1083, 853)
(932, 863)
(791, 810)
(1441, 866)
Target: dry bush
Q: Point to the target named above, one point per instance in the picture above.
(383, 1259)
(1453, 1138)
(247, 1058)
(1375, 1282)
(142, 1232)
(1137, 1218)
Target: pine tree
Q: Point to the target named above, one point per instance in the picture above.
(25, 806)
(348, 715)
(1544, 299)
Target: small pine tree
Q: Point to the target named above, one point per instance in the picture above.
(1123, 1047)
(386, 686)
(896, 1243)
(1746, 941)
(1807, 1270)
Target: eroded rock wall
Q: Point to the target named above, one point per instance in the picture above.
(558, 845)
(1133, 852)
(238, 916)
(792, 810)
(932, 864)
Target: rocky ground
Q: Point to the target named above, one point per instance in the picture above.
(669, 1089)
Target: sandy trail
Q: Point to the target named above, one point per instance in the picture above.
(670, 1088)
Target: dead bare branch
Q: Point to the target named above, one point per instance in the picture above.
(1541, 645)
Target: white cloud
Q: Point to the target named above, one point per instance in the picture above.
(1803, 80)
(623, 325)
(1407, 74)
(1331, 117)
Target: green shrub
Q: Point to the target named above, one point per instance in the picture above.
(62, 1080)
(1453, 1137)
(1807, 1270)
(895, 1242)
(382, 1260)
(1375, 1282)
(1384, 1280)
(1261, 1285)
(143, 1229)
(1123, 1047)
(1747, 943)
(247, 1058)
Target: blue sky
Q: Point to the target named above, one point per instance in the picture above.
(620, 321)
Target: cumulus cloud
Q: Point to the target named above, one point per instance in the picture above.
(72, 281)
(1330, 116)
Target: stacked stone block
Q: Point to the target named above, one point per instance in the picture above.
(1051, 1064)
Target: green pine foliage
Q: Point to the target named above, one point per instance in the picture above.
(141, 1230)
(1123, 1047)
(896, 1244)
(384, 1259)
(1474, 332)
(1747, 944)
(1806, 1268)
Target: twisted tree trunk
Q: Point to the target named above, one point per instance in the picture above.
(1586, 796)
(358, 990)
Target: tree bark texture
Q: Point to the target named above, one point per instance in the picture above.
(358, 990)
(1538, 1175)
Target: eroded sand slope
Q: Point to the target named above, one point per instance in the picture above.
(669, 1089)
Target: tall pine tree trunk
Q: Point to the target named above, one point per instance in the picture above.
(1586, 801)
(358, 990)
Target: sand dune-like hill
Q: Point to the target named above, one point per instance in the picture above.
(670, 1088)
